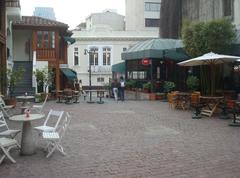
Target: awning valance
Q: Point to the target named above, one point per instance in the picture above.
(69, 39)
(120, 67)
(69, 73)
(156, 49)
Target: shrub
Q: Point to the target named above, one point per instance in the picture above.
(168, 86)
(192, 83)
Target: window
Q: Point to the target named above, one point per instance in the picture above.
(137, 75)
(124, 49)
(151, 6)
(100, 79)
(76, 57)
(152, 22)
(93, 56)
(106, 56)
(45, 39)
(228, 8)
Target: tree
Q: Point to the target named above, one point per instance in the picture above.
(13, 77)
(44, 78)
(203, 37)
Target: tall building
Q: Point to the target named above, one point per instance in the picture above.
(45, 12)
(145, 17)
(173, 13)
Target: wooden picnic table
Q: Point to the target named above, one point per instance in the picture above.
(212, 103)
(182, 100)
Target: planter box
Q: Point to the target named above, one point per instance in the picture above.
(160, 96)
(137, 95)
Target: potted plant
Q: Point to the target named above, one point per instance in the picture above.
(130, 84)
(192, 83)
(147, 87)
(13, 77)
(168, 86)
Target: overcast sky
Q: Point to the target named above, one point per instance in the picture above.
(73, 12)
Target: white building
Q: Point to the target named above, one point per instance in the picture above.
(143, 15)
(105, 39)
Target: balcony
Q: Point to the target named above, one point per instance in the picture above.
(101, 69)
(46, 54)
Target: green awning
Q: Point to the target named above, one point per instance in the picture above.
(120, 67)
(156, 49)
(69, 39)
(69, 73)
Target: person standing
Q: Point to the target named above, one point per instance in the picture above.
(121, 88)
(115, 86)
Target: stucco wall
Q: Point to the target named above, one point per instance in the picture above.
(20, 37)
(110, 19)
(135, 15)
(237, 13)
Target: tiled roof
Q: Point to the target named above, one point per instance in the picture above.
(38, 21)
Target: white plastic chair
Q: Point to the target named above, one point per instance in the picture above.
(5, 108)
(6, 144)
(40, 107)
(4, 130)
(54, 139)
(46, 125)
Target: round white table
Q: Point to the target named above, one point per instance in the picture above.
(27, 142)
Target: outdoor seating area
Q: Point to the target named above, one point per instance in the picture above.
(25, 112)
(88, 141)
(68, 96)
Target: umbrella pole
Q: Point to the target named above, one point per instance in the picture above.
(213, 85)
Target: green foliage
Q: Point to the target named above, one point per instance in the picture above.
(147, 85)
(13, 77)
(192, 83)
(131, 84)
(168, 86)
(44, 77)
(203, 37)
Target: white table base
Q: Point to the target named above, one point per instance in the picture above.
(27, 144)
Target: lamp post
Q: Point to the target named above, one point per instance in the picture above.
(90, 74)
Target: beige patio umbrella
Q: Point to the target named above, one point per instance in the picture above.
(211, 59)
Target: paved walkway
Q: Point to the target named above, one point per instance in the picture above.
(135, 139)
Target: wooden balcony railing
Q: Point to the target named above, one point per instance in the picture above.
(46, 54)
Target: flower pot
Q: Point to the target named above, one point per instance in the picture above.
(152, 96)
(11, 101)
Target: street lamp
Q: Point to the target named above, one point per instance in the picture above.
(90, 73)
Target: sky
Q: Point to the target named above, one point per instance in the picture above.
(72, 12)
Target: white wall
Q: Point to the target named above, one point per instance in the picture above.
(237, 13)
(135, 17)
(105, 71)
(20, 38)
(112, 20)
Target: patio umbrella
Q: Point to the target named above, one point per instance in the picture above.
(211, 59)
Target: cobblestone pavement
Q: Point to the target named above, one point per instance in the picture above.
(134, 139)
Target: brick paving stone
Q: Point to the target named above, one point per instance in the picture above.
(133, 139)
